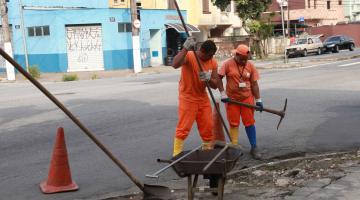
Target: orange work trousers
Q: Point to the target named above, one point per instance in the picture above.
(234, 112)
(188, 113)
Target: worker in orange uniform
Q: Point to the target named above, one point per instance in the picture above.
(242, 86)
(194, 102)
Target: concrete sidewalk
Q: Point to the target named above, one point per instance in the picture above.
(347, 187)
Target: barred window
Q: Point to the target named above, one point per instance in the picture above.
(38, 31)
(124, 27)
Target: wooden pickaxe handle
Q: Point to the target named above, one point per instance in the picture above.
(276, 112)
(280, 113)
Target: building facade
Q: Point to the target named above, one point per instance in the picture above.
(352, 10)
(213, 22)
(70, 36)
(306, 13)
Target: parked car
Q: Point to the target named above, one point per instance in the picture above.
(339, 42)
(305, 45)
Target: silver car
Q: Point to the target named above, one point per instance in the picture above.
(303, 46)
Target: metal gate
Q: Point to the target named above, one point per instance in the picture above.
(84, 48)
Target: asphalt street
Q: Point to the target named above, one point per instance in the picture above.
(135, 117)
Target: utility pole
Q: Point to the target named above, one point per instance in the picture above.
(10, 71)
(281, 3)
(288, 18)
(22, 26)
(135, 37)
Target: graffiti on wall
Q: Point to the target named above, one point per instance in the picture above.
(84, 47)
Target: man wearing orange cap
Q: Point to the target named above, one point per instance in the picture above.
(194, 102)
(242, 86)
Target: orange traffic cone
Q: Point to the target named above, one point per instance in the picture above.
(59, 179)
(217, 131)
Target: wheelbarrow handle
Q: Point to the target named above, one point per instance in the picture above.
(156, 174)
(215, 158)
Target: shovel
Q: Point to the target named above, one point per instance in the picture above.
(150, 192)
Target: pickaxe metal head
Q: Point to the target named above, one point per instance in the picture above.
(282, 114)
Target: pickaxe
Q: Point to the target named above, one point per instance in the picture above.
(281, 113)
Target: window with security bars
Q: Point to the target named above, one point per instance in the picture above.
(124, 27)
(38, 31)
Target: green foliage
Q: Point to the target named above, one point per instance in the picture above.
(260, 29)
(247, 9)
(34, 71)
(222, 4)
(70, 77)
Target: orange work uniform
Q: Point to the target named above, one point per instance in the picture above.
(194, 102)
(238, 87)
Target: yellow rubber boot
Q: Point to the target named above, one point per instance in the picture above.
(234, 135)
(207, 146)
(178, 146)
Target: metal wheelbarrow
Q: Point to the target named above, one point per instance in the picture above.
(193, 165)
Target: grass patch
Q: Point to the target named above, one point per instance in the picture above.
(34, 71)
(94, 77)
(70, 77)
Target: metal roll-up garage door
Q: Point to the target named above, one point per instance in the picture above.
(84, 48)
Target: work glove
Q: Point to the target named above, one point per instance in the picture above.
(259, 104)
(190, 43)
(205, 76)
(224, 97)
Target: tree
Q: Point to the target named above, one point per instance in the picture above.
(250, 13)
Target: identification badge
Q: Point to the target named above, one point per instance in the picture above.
(242, 85)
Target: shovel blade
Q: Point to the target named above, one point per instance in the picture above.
(157, 192)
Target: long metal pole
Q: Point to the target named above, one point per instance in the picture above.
(288, 19)
(21, 10)
(283, 29)
(73, 118)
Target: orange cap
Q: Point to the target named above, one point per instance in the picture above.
(242, 49)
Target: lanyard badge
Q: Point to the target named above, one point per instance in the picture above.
(242, 84)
